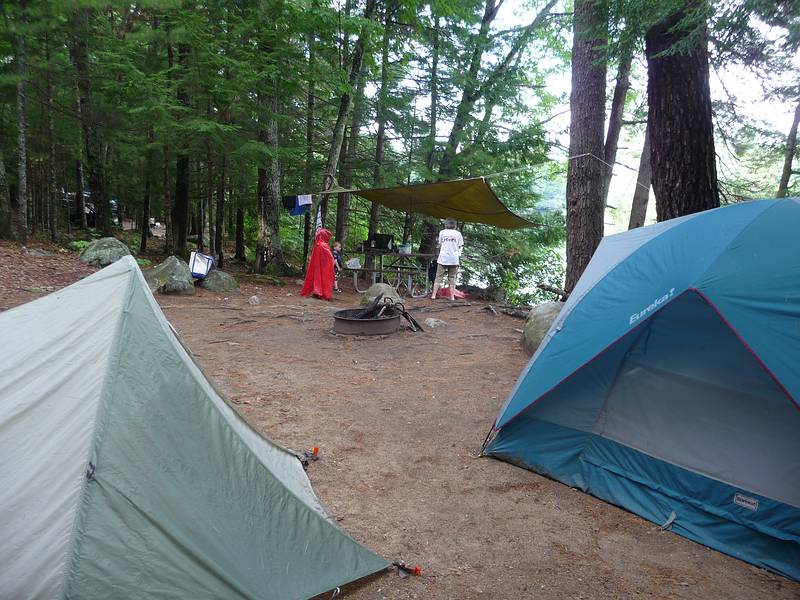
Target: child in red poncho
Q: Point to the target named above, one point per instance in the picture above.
(319, 275)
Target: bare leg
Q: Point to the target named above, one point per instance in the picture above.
(439, 273)
(451, 273)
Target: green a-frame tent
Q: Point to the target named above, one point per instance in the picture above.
(125, 474)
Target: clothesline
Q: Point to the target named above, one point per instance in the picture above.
(340, 190)
(610, 166)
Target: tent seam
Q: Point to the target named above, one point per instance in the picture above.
(747, 347)
(734, 239)
(172, 333)
(325, 518)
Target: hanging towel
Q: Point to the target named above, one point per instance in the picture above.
(299, 211)
(304, 199)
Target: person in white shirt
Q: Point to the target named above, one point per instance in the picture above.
(450, 245)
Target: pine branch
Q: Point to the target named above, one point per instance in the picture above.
(516, 48)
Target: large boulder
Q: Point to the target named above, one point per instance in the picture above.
(538, 323)
(170, 277)
(103, 252)
(219, 281)
(380, 288)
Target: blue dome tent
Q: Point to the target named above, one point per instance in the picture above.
(669, 383)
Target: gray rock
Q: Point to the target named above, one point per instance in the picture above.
(254, 301)
(434, 323)
(380, 288)
(538, 323)
(171, 277)
(104, 251)
(219, 281)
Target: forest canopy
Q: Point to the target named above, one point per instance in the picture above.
(203, 115)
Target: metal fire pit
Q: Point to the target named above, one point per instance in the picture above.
(344, 322)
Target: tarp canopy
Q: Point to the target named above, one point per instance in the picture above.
(469, 200)
(125, 474)
(669, 382)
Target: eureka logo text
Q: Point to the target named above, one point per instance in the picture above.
(656, 303)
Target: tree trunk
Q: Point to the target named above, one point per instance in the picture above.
(145, 215)
(262, 241)
(80, 181)
(219, 242)
(679, 118)
(621, 88)
(167, 200)
(380, 140)
(145, 232)
(21, 208)
(239, 252)
(430, 231)
(269, 253)
(585, 205)
(209, 227)
(169, 228)
(641, 195)
(180, 207)
(410, 217)
(199, 218)
(430, 226)
(309, 166)
(349, 148)
(79, 50)
(6, 230)
(430, 156)
(345, 104)
(51, 148)
(791, 145)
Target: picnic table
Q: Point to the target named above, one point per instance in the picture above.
(406, 273)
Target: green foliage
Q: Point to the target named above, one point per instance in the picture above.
(78, 245)
(229, 60)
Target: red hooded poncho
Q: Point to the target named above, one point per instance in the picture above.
(319, 275)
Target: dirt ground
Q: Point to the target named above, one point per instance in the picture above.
(399, 421)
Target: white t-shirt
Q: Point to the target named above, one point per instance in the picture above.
(450, 245)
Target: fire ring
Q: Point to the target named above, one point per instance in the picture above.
(346, 323)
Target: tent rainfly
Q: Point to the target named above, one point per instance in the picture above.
(469, 200)
(669, 382)
(126, 475)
